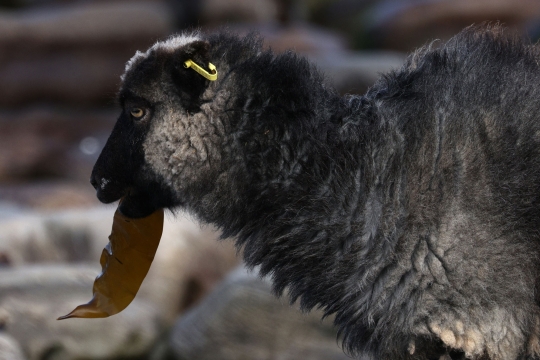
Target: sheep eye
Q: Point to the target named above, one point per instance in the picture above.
(137, 113)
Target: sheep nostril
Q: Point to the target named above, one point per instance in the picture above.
(94, 182)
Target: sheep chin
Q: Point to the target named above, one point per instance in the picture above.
(136, 205)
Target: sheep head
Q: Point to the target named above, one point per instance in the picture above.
(164, 138)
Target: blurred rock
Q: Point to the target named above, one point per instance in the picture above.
(32, 297)
(10, 210)
(219, 12)
(188, 264)
(32, 3)
(34, 290)
(74, 53)
(336, 14)
(10, 348)
(68, 236)
(350, 72)
(302, 38)
(88, 22)
(81, 76)
(355, 72)
(43, 279)
(352, 18)
(47, 141)
(242, 319)
(47, 195)
(186, 13)
(406, 25)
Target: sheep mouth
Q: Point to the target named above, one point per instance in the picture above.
(132, 204)
(108, 192)
(137, 205)
(135, 201)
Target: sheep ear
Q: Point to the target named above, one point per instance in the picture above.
(197, 50)
(191, 84)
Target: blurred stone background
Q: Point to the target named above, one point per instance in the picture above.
(60, 66)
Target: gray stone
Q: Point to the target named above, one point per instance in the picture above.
(32, 297)
(74, 52)
(406, 25)
(350, 71)
(68, 236)
(9, 209)
(81, 23)
(303, 38)
(354, 72)
(35, 288)
(188, 264)
(82, 76)
(10, 348)
(47, 196)
(53, 139)
(242, 319)
(216, 12)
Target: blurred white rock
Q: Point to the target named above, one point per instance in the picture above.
(10, 348)
(51, 261)
(242, 319)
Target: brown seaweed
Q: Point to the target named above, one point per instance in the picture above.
(125, 261)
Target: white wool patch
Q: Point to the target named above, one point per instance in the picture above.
(138, 55)
(171, 44)
(174, 42)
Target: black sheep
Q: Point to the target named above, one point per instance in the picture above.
(411, 213)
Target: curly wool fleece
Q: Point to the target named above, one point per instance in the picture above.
(411, 213)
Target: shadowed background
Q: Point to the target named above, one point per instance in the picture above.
(60, 67)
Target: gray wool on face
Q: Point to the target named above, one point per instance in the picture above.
(181, 145)
(411, 213)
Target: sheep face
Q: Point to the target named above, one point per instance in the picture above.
(162, 137)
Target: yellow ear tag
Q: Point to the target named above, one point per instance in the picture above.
(210, 76)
